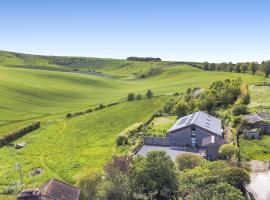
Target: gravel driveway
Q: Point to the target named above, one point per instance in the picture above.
(171, 151)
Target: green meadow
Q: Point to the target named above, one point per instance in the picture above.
(47, 88)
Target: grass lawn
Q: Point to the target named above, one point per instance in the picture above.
(160, 125)
(69, 148)
(255, 149)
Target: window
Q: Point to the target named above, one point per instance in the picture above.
(193, 136)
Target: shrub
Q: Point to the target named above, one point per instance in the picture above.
(131, 96)
(181, 108)
(89, 110)
(239, 110)
(121, 140)
(139, 97)
(188, 161)
(68, 116)
(149, 94)
(228, 150)
(89, 184)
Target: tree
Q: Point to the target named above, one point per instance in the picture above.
(188, 161)
(89, 184)
(266, 67)
(139, 97)
(117, 184)
(244, 67)
(181, 108)
(239, 110)
(253, 67)
(237, 177)
(228, 150)
(131, 96)
(168, 106)
(149, 94)
(206, 66)
(154, 175)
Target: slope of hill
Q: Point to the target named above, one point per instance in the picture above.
(46, 88)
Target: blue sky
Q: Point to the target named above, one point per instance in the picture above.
(187, 30)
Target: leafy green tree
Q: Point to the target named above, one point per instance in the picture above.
(181, 108)
(244, 67)
(188, 161)
(149, 94)
(139, 97)
(168, 106)
(237, 177)
(154, 175)
(117, 184)
(228, 150)
(253, 67)
(266, 68)
(239, 110)
(89, 184)
(131, 96)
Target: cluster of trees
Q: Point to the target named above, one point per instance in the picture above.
(158, 177)
(252, 67)
(133, 58)
(131, 96)
(220, 94)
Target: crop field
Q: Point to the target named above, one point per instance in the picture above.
(45, 88)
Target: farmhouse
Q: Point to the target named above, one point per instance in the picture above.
(259, 121)
(53, 189)
(198, 131)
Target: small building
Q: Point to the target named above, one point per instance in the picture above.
(260, 121)
(252, 134)
(198, 130)
(211, 145)
(52, 190)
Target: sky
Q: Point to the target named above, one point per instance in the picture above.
(179, 30)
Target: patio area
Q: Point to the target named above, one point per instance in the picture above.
(170, 151)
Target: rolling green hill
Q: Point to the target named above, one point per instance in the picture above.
(46, 88)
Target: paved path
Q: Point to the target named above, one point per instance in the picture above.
(260, 185)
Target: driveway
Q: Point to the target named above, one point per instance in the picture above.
(260, 185)
(171, 151)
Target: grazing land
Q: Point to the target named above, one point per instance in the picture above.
(47, 88)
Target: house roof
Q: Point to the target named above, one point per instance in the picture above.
(58, 190)
(200, 119)
(254, 118)
(212, 140)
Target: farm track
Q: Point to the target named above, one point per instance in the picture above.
(43, 155)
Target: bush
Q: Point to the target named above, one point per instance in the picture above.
(181, 108)
(188, 161)
(131, 97)
(68, 116)
(121, 140)
(149, 94)
(228, 150)
(89, 184)
(239, 110)
(139, 97)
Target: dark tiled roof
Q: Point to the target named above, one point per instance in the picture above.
(201, 119)
(58, 190)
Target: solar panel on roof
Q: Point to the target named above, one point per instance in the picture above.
(182, 121)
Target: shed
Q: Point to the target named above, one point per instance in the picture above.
(252, 134)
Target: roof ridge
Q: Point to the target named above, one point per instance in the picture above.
(54, 179)
(195, 117)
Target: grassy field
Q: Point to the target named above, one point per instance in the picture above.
(257, 149)
(39, 88)
(160, 125)
(68, 148)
